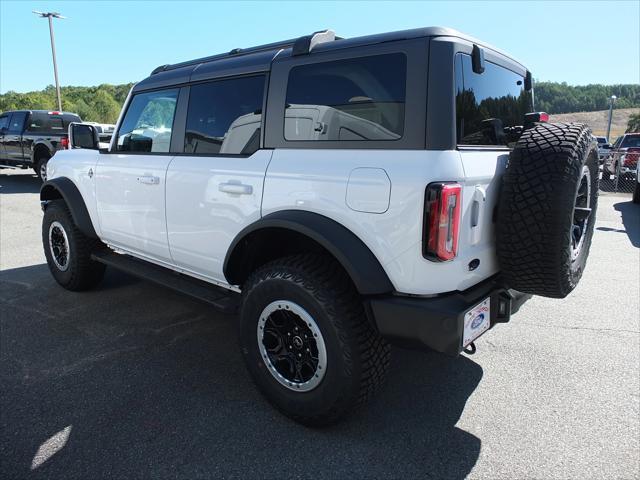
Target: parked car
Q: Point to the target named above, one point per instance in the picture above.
(29, 138)
(636, 190)
(340, 195)
(604, 148)
(623, 157)
(105, 130)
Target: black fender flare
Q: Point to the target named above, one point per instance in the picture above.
(356, 258)
(64, 188)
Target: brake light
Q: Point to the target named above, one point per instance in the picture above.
(631, 157)
(64, 142)
(54, 113)
(442, 221)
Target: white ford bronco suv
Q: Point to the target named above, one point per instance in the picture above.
(341, 194)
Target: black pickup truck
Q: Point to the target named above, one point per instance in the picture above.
(29, 138)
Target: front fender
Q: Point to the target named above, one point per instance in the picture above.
(63, 188)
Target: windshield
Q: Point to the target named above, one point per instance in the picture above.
(631, 141)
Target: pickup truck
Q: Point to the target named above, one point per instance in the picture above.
(29, 138)
(623, 157)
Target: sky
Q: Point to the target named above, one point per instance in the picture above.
(577, 42)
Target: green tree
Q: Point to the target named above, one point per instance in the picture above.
(633, 125)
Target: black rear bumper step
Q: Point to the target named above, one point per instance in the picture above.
(437, 323)
(224, 300)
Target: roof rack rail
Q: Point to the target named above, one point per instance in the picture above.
(301, 45)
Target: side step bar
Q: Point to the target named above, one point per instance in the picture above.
(224, 300)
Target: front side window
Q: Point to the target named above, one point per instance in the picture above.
(224, 116)
(146, 126)
(4, 121)
(488, 104)
(346, 100)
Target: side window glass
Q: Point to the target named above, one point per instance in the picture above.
(489, 104)
(345, 100)
(224, 116)
(17, 122)
(4, 122)
(146, 126)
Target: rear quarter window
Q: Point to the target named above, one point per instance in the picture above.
(358, 99)
(488, 104)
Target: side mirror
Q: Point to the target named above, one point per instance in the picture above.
(82, 135)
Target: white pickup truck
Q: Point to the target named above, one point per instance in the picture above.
(340, 194)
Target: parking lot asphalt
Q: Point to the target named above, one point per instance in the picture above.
(135, 381)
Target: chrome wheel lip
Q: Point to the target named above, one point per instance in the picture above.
(321, 368)
(576, 247)
(61, 262)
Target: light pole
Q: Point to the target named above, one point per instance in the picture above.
(51, 16)
(611, 100)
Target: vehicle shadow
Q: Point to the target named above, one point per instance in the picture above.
(631, 220)
(17, 181)
(134, 381)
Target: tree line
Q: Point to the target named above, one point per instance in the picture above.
(103, 102)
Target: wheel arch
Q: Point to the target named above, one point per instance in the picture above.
(63, 188)
(39, 150)
(292, 231)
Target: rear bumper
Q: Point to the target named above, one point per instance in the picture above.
(437, 323)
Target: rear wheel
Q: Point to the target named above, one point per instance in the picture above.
(41, 168)
(307, 342)
(68, 250)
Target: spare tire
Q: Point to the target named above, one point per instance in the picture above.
(547, 209)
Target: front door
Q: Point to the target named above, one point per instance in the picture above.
(130, 180)
(12, 140)
(214, 188)
(4, 126)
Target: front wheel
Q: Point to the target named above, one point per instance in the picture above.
(68, 250)
(307, 342)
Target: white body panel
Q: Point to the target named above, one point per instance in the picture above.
(130, 196)
(209, 200)
(316, 181)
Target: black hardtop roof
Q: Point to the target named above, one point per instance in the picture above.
(259, 58)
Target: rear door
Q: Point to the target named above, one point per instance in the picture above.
(214, 187)
(130, 180)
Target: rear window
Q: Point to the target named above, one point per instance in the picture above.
(631, 141)
(355, 99)
(488, 104)
(49, 123)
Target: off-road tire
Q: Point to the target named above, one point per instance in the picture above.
(82, 273)
(636, 193)
(357, 357)
(41, 163)
(536, 209)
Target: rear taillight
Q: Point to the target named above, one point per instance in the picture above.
(630, 158)
(441, 221)
(64, 142)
